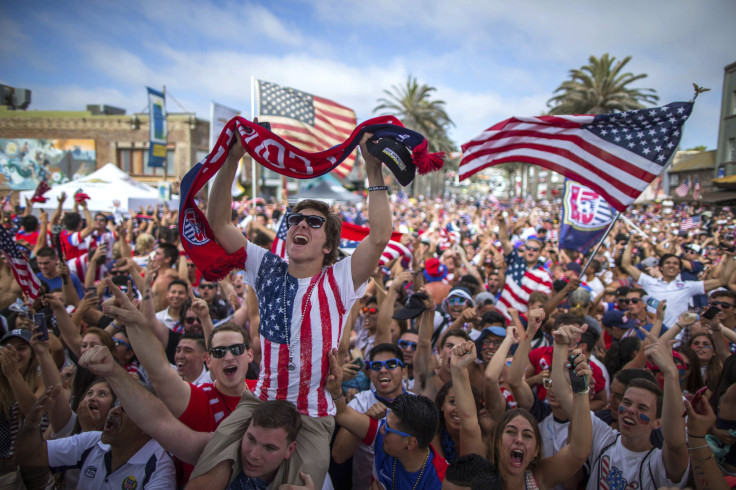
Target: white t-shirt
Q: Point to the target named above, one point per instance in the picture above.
(150, 468)
(677, 293)
(615, 467)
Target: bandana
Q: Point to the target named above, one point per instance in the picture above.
(275, 153)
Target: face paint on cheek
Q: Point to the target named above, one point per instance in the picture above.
(621, 409)
(643, 418)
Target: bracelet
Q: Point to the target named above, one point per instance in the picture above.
(338, 398)
(695, 437)
(584, 392)
(378, 188)
(697, 447)
(28, 427)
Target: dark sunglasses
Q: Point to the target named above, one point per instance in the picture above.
(372, 310)
(118, 273)
(533, 249)
(313, 221)
(405, 344)
(388, 364)
(122, 342)
(721, 304)
(191, 319)
(207, 286)
(220, 352)
(629, 301)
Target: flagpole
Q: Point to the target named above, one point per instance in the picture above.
(252, 118)
(595, 251)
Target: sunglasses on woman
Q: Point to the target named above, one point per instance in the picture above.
(122, 342)
(220, 352)
(313, 221)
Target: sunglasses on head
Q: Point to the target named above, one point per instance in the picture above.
(122, 342)
(220, 352)
(388, 364)
(629, 301)
(456, 300)
(721, 304)
(397, 432)
(405, 344)
(313, 221)
(370, 309)
(207, 286)
(191, 319)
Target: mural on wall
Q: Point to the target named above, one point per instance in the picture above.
(26, 162)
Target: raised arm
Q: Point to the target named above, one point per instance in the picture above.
(674, 450)
(423, 355)
(471, 440)
(521, 390)
(626, 264)
(355, 422)
(495, 402)
(148, 412)
(564, 464)
(219, 208)
(173, 391)
(30, 448)
(503, 234)
(90, 228)
(60, 412)
(564, 337)
(365, 258)
(724, 277)
(386, 310)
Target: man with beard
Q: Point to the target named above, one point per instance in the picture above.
(386, 372)
(121, 456)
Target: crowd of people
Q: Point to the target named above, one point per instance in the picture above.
(485, 357)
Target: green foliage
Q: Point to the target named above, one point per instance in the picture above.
(600, 87)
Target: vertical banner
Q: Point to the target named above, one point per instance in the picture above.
(585, 217)
(158, 130)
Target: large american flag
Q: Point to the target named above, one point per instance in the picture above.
(617, 155)
(29, 283)
(310, 122)
(683, 189)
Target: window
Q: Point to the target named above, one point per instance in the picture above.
(731, 156)
(674, 180)
(733, 102)
(134, 161)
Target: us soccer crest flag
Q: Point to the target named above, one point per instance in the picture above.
(585, 217)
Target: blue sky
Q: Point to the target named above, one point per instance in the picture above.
(489, 59)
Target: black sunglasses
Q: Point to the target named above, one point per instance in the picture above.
(313, 220)
(628, 301)
(207, 286)
(191, 319)
(721, 304)
(220, 352)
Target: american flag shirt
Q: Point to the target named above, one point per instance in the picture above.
(325, 300)
(521, 281)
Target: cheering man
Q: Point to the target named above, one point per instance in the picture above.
(303, 305)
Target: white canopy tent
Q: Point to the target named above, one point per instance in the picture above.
(104, 186)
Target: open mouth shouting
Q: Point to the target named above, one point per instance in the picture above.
(300, 239)
(517, 458)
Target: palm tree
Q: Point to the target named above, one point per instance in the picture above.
(412, 103)
(599, 87)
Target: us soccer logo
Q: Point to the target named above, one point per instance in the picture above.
(193, 228)
(585, 209)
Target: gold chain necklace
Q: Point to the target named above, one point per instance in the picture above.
(421, 472)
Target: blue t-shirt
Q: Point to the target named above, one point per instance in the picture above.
(242, 482)
(427, 477)
(57, 282)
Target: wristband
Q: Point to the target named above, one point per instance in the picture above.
(338, 398)
(378, 188)
(695, 437)
(583, 392)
